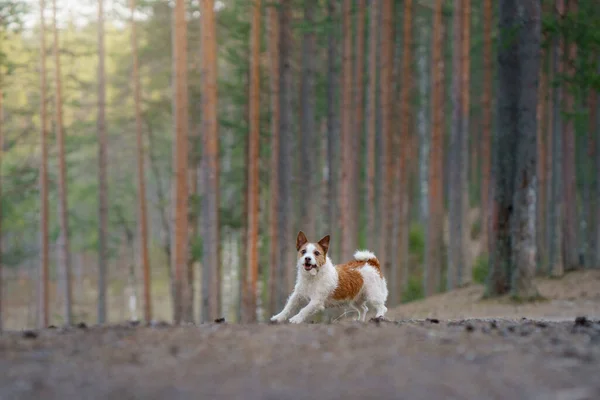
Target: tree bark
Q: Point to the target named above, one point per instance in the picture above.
(253, 161)
(1, 160)
(44, 311)
(556, 245)
(357, 124)
(64, 252)
(464, 268)
(406, 137)
(333, 128)
(505, 147)
(141, 180)
(524, 225)
(455, 167)
(435, 221)
(285, 151)
(542, 137)
(179, 247)
(308, 144)
(593, 156)
(275, 264)
(102, 175)
(570, 245)
(347, 135)
(386, 158)
(212, 248)
(423, 116)
(370, 205)
(486, 132)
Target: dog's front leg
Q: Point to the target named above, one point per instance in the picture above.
(312, 307)
(290, 306)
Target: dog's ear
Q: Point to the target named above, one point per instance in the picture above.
(324, 243)
(301, 240)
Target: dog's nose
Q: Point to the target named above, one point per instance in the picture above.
(307, 259)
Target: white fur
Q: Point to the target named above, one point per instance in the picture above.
(315, 287)
(364, 255)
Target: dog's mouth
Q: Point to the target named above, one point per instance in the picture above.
(308, 267)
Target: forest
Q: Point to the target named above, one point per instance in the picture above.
(158, 158)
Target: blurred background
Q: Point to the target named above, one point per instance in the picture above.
(173, 165)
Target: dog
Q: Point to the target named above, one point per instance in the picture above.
(323, 285)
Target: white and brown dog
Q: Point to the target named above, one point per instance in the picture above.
(322, 285)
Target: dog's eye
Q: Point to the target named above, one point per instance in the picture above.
(303, 252)
(317, 253)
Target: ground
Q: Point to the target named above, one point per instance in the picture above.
(549, 355)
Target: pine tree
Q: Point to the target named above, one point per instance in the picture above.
(433, 262)
(347, 136)
(141, 181)
(180, 161)
(211, 262)
(253, 158)
(102, 175)
(63, 210)
(370, 204)
(43, 318)
(275, 266)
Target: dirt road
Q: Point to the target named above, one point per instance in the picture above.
(475, 359)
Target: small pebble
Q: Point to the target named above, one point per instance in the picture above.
(30, 334)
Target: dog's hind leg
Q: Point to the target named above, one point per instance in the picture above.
(355, 307)
(365, 310)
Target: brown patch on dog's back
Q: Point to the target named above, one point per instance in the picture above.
(350, 281)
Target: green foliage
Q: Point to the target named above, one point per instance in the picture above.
(414, 290)
(416, 242)
(481, 269)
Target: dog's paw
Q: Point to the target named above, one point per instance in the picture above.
(277, 318)
(296, 320)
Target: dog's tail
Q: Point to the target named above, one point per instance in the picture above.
(368, 257)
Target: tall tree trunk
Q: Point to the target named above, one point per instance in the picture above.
(542, 139)
(44, 311)
(386, 158)
(253, 161)
(556, 245)
(596, 123)
(162, 210)
(455, 160)
(141, 181)
(524, 232)
(285, 149)
(405, 148)
(63, 210)
(179, 247)
(1, 159)
(594, 201)
(435, 221)
(333, 128)
(486, 132)
(275, 264)
(423, 121)
(505, 149)
(357, 124)
(370, 205)
(212, 248)
(308, 144)
(464, 268)
(570, 246)
(102, 176)
(347, 135)
(549, 168)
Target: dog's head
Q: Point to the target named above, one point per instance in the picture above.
(311, 256)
